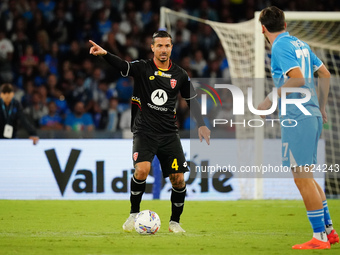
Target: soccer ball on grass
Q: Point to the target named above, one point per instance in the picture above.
(147, 222)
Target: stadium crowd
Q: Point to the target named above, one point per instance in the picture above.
(44, 53)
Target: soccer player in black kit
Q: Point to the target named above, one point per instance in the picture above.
(157, 84)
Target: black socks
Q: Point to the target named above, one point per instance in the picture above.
(177, 203)
(137, 190)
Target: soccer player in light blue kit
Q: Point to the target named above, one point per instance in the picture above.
(293, 65)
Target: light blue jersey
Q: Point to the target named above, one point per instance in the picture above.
(299, 143)
(288, 52)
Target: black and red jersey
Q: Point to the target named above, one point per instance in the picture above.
(155, 96)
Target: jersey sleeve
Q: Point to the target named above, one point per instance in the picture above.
(317, 63)
(187, 89)
(135, 68)
(285, 57)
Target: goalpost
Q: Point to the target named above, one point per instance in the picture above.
(248, 55)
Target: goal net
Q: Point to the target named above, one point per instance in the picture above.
(249, 59)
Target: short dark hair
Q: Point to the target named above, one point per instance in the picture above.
(161, 34)
(7, 88)
(273, 19)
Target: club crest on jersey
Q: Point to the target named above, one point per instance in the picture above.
(173, 83)
(135, 156)
(162, 74)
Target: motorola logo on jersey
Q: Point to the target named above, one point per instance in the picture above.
(159, 97)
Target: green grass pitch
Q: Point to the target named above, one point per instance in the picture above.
(95, 227)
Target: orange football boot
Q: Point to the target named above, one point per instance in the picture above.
(333, 237)
(313, 244)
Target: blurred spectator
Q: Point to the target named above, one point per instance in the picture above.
(119, 36)
(47, 9)
(28, 75)
(223, 62)
(94, 5)
(178, 6)
(194, 46)
(28, 60)
(18, 93)
(130, 18)
(198, 63)
(78, 120)
(29, 9)
(68, 83)
(119, 5)
(53, 58)
(60, 29)
(212, 70)
(102, 95)
(181, 26)
(6, 54)
(19, 26)
(125, 120)
(81, 93)
(178, 49)
(145, 49)
(238, 10)
(113, 117)
(124, 89)
(8, 16)
(52, 85)
(99, 117)
(153, 25)
(207, 38)
(225, 15)
(42, 90)
(136, 34)
(51, 121)
(92, 82)
(130, 48)
(146, 12)
(36, 24)
(205, 12)
(62, 107)
(185, 64)
(87, 67)
(113, 46)
(103, 23)
(111, 12)
(42, 44)
(28, 86)
(36, 109)
(42, 75)
(20, 43)
(76, 55)
(83, 21)
(23, 7)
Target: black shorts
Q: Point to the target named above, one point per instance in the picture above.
(168, 149)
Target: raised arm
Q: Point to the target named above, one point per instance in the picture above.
(112, 59)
